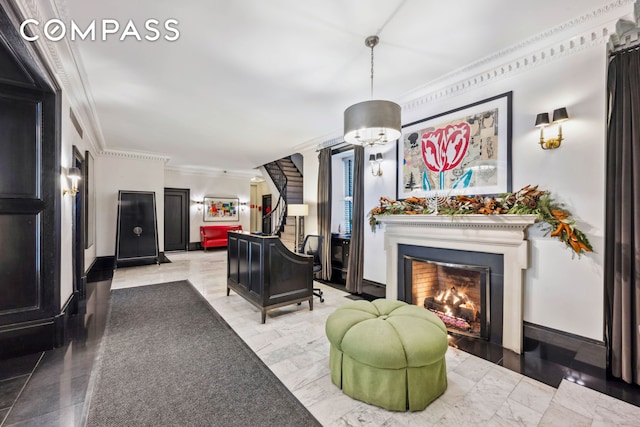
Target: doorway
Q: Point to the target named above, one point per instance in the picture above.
(176, 219)
(78, 229)
(266, 210)
(30, 200)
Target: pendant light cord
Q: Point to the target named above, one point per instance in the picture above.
(372, 46)
(371, 41)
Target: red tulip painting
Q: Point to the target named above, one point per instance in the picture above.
(444, 148)
(459, 152)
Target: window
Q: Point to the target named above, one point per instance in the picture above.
(348, 193)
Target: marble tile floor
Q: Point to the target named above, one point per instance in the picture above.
(293, 345)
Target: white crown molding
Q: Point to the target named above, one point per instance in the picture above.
(627, 32)
(45, 51)
(134, 155)
(64, 65)
(82, 99)
(320, 142)
(214, 173)
(563, 40)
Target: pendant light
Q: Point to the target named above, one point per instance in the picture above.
(372, 122)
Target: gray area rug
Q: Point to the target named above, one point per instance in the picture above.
(169, 359)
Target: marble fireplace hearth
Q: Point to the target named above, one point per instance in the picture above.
(489, 234)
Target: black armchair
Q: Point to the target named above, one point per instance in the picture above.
(312, 245)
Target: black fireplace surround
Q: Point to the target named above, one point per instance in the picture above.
(493, 261)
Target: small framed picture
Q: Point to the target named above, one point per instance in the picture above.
(220, 209)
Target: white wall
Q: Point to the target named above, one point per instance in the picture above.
(557, 283)
(562, 291)
(222, 185)
(69, 138)
(310, 189)
(115, 173)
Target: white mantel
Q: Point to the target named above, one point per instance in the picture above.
(498, 234)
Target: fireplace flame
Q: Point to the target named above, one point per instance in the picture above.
(456, 298)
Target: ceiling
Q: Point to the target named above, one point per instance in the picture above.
(249, 80)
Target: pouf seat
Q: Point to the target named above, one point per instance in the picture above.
(388, 353)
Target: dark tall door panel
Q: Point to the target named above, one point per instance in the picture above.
(176, 219)
(137, 226)
(30, 197)
(26, 210)
(19, 263)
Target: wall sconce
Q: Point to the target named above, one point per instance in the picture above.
(375, 160)
(74, 175)
(243, 206)
(542, 121)
(199, 204)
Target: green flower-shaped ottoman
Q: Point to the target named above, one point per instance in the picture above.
(388, 353)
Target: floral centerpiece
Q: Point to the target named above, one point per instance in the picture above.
(527, 201)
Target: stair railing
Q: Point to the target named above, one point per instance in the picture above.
(279, 211)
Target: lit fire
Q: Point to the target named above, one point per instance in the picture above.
(453, 307)
(454, 297)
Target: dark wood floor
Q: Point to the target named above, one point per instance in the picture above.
(50, 388)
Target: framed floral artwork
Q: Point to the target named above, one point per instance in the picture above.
(462, 151)
(220, 209)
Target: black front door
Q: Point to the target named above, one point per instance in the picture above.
(176, 219)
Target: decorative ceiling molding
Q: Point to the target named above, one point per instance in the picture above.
(134, 155)
(627, 33)
(47, 52)
(214, 173)
(82, 93)
(320, 142)
(331, 142)
(54, 56)
(527, 57)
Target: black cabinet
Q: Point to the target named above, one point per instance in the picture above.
(267, 274)
(339, 258)
(137, 237)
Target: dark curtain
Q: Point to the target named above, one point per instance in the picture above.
(622, 230)
(324, 210)
(356, 246)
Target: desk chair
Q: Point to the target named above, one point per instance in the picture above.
(312, 245)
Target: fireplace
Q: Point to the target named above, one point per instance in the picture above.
(497, 241)
(457, 293)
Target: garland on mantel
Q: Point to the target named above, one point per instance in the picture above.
(527, 201)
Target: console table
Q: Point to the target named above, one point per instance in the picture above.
(267, 274)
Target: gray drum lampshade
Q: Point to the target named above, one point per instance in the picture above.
(372, 122)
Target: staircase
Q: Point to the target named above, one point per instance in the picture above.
(288, 180)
